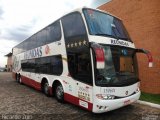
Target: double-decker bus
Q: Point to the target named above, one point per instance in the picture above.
(85, 57)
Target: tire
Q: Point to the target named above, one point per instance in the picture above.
(18, 78)
(59, 93)
(46, 89)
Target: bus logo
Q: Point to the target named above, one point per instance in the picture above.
(126, 92)
(118, 42)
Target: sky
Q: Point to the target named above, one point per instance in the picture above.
(19, 19)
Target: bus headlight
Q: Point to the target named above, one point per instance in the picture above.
(105, 96)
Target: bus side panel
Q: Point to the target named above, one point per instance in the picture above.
(77, 101)
(31, 82)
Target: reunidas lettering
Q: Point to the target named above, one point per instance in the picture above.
(117, 42)
(37, 52)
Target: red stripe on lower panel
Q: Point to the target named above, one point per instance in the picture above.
(34, 84)
(75, 100)
(70, 98)
(31, 82)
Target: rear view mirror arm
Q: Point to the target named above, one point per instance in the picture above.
(150, 59)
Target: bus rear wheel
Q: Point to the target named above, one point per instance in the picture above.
(46, 89)
(59, 93)
(18, 78)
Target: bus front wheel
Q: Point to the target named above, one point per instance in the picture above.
(59, 93)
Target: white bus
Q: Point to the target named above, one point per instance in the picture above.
(85, 57)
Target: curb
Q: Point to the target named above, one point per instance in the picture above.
(149, 104)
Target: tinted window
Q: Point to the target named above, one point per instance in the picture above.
(41, 38)
(20, 48)
(38, 65)
(73, 25)
(24, 48)
(24, 65)
(53, 32)
(45, 36)
(79, 65)
(32, 42)
(56, 66)
(103, 24)
(45, 65)
(28, 65)
(120, 67)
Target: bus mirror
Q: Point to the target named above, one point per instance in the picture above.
(100, 58)
(150, 59)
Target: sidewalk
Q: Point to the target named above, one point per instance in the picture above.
(149, 104)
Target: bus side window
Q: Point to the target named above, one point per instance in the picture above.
(71, 64)
(74, 30)
(49, 65)
(28, 65)
(53, 32)
(37, 65)
(79, 66)
(73, 25)
(56, 66)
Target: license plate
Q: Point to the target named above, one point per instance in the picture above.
(127, 102)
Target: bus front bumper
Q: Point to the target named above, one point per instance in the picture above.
(101, 106)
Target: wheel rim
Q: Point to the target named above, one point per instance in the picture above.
(46, 88)
(59, 92)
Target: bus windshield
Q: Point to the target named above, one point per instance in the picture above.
(102, 24)
(120, 67)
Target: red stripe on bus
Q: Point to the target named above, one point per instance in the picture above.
(67, 97)
(34, 84)
(75, 100)
(31, 82)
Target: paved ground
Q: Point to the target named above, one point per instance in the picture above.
(20, 101)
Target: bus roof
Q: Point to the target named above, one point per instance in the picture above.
(79, 10)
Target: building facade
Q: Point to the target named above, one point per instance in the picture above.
(142, 20)
(9, 62)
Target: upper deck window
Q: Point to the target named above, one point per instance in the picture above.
(73, 25)
(103, 24)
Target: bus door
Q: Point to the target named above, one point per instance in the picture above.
(37, 74)
(81, 72)
(78, 55)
